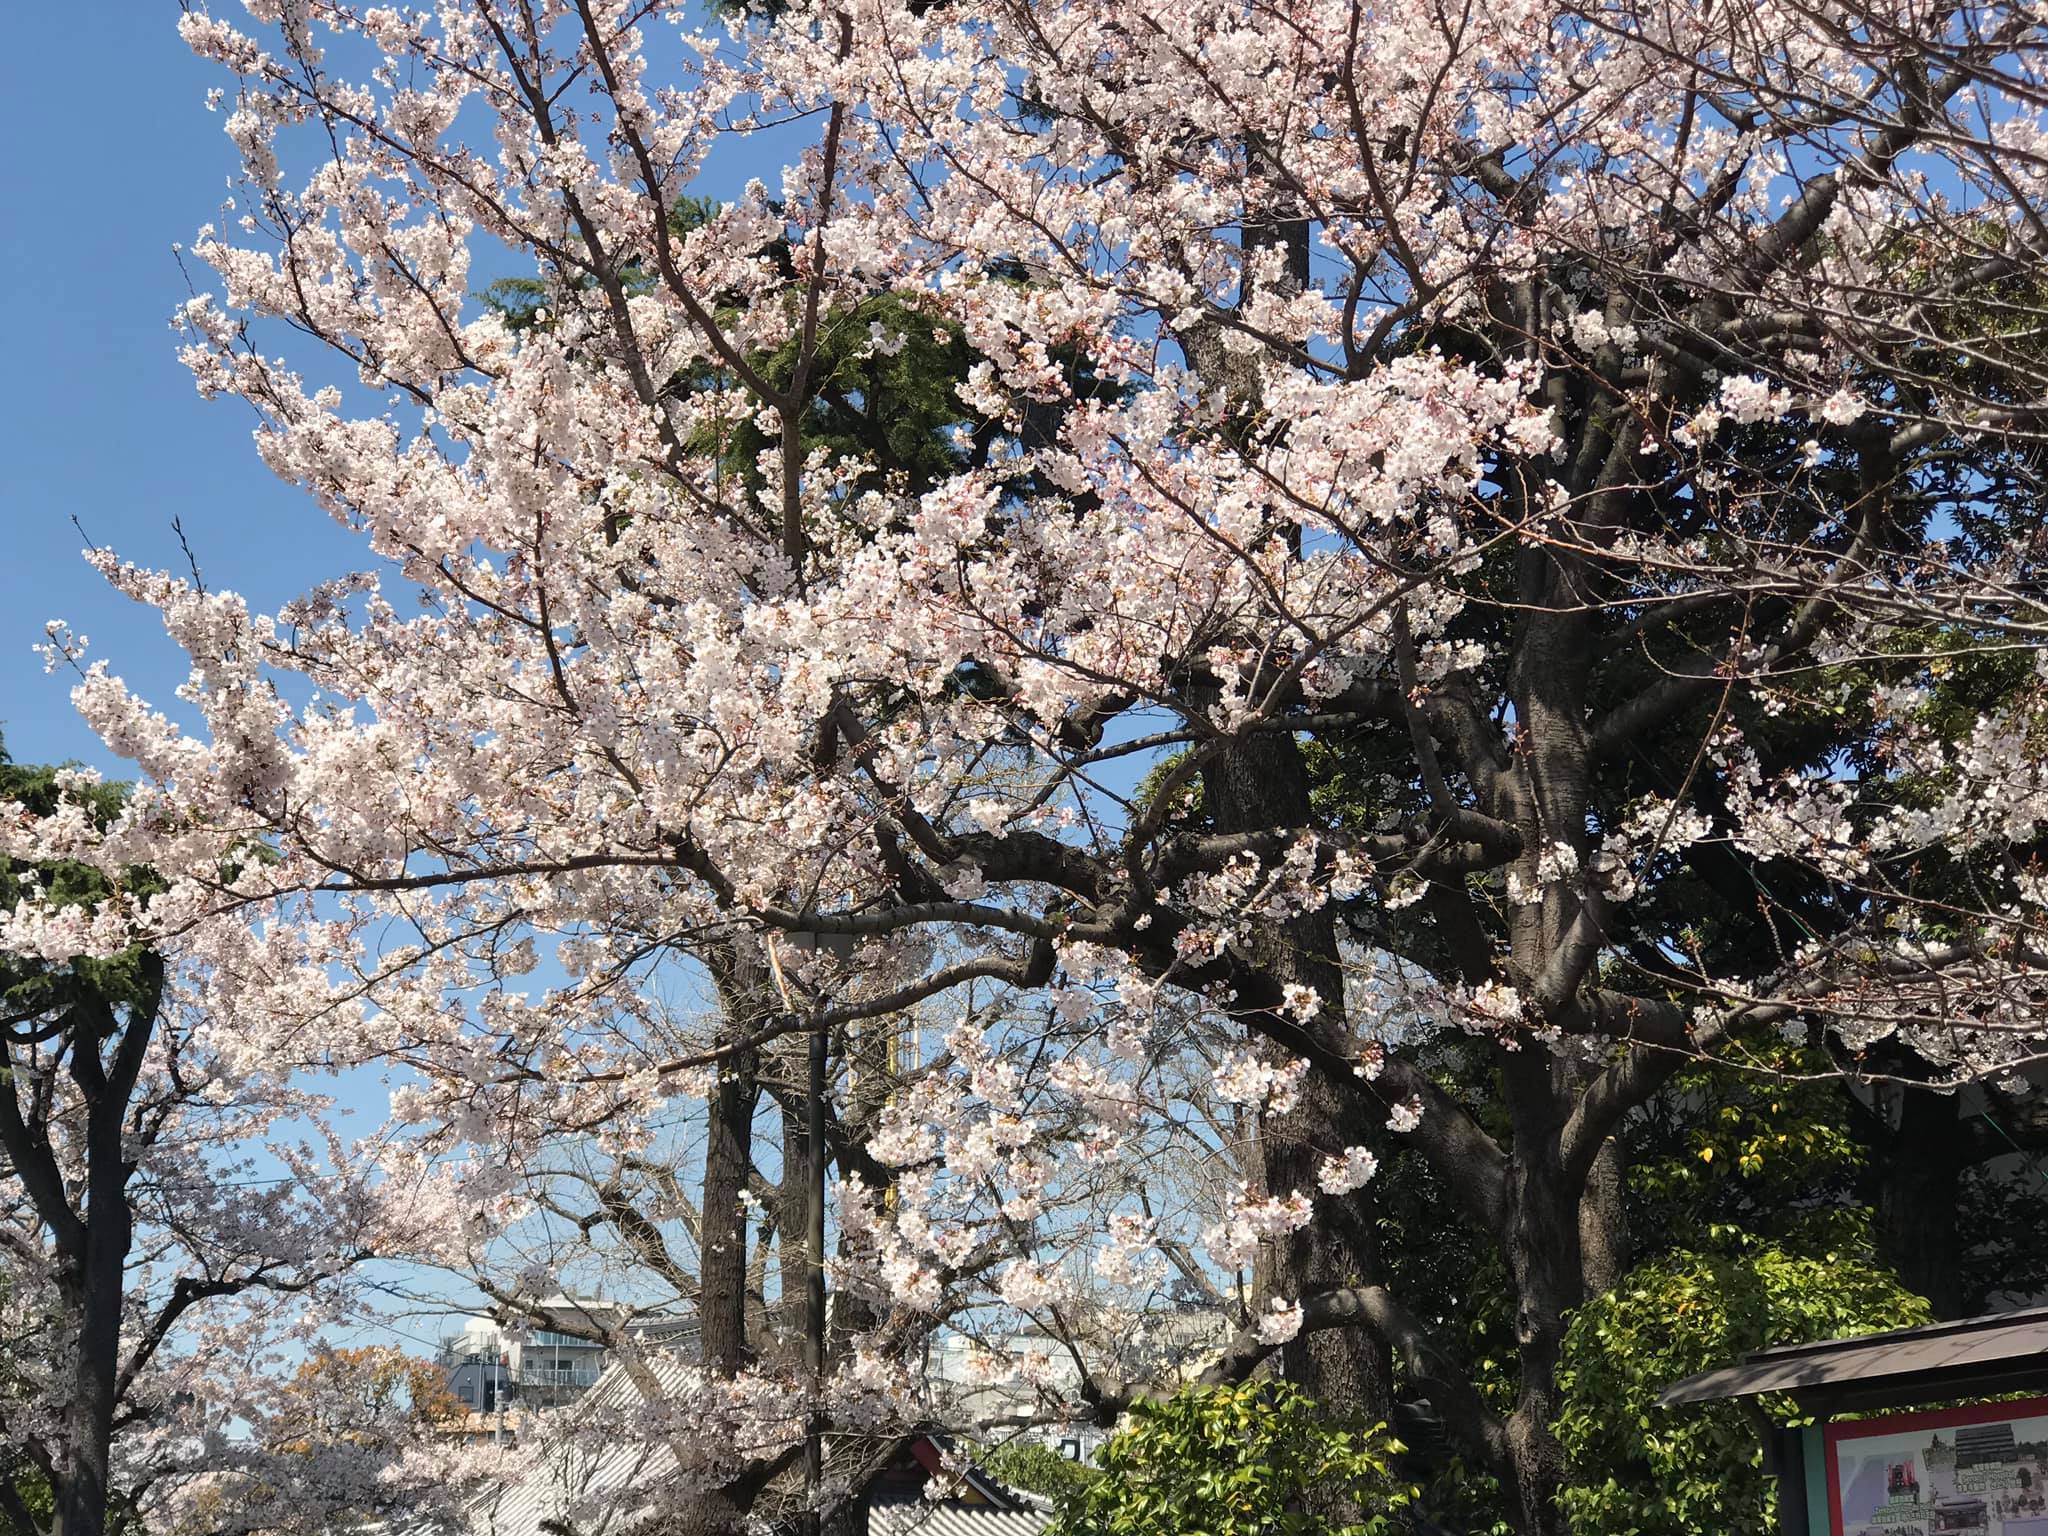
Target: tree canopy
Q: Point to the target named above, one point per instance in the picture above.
(1296, 633)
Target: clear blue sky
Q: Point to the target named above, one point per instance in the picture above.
(103, 176)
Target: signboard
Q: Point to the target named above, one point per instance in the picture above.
(1977, 1471)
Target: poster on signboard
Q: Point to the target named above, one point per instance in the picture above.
(1978, 1471)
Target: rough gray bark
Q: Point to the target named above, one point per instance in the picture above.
(92, 1280)
(1604, 1254)
(1549, 949)
(728, 1159)
(722, 1270)
(792, 1205)
(1250, 785)
(1914, 1224)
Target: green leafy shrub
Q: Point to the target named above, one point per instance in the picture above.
(1236, 1461)
(1033, 1467)
(1637, 1468)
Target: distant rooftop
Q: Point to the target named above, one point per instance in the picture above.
(1973, 1357)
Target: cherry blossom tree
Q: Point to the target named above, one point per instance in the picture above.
(173, 1210)
(352, 1436)
(1436, 490)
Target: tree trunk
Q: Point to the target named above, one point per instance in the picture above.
(1603, 1218)
(722, 1270)
(1603, 1224)
(1543, 1266)
(1262, 783)
(94, 1245)
(746, 1003)
(1546, 1212)
(874, 1050)
(792, 1213)
(1919, 1169)
(86, 1482)
(1545, 1272)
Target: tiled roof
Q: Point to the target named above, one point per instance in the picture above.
(921, 1517)
(600, 1491)
(606, 1487)
(1974, 1357)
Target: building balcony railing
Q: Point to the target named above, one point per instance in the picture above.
(571, 1376)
